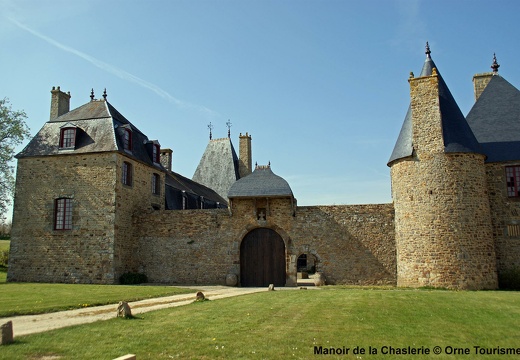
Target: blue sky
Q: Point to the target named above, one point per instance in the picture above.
(320, 85)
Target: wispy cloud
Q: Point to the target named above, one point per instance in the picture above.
(116, 71)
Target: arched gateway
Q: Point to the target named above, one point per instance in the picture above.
(262, 258)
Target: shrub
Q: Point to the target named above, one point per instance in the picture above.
(509, 279)
(130, 278)
(4, 258)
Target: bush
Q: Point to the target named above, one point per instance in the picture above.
(132, 278)
(4, 258)
(509, 279)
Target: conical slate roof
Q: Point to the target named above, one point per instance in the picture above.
(494, 119)
(261, 183)
(457, 134)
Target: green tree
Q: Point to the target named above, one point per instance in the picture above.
(13, 130)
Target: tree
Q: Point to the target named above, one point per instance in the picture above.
(13, 131)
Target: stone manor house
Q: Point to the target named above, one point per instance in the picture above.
(95, 198)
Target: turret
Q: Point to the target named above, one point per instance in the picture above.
(442, 217)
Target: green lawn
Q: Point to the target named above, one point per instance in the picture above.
(4, 245)
(32, 298)
(290, 324)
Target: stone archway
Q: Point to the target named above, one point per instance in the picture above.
(262, 258)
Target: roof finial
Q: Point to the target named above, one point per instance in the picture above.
(495, 65)
(105, 94)
(269, 164)
(428, 52)
(256, 165)
(92, 95)
(210, 127)
(228, 124)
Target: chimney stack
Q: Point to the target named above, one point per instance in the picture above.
(245, 166)
(60, 103)
(166, 159)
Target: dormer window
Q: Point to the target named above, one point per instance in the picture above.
(127, 140)
(68, 138)
(156, 153)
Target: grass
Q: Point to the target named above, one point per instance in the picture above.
(4, 245)
(32, 298)
(289, 324)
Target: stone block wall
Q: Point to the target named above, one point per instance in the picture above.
(505, 214)
(352, 244)
(81, 255)
(443, 229)
(131, 200)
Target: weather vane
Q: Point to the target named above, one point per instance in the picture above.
(228, 124)
(210, 127)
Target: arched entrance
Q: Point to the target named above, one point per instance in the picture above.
(262, 258)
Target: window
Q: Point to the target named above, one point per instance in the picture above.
(156, 182)
(156, 154)
(63, 214)
(68, 137)
(127, 140)
(513, 181)
(127, 173)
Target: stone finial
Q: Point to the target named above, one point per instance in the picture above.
(495, 65)
(411, 75)
(92, 95)
(428, 52)
(105, 94)
(434, 72)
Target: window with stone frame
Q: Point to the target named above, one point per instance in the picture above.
(127, 140)
(127, 173)
(513, 181)
(63, 214)
(68, 137)
(156, 184)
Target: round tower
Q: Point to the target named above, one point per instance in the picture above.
(442, 216)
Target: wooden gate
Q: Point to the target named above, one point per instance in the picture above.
(262, 258)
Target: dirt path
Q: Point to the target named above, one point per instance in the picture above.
(30, 324)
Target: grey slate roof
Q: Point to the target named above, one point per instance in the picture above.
(218, 167)
(457, 134)
(261, 183)
(100, 128)
(495, 120)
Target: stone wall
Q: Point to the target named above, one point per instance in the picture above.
(505, 213)
(82, 255)
(351, 244)
(132, 200)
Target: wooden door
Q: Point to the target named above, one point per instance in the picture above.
(262, 258)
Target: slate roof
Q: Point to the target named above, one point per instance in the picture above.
(218, 167)
(100, 128)
(495, 120)
(177, 184)
(457, 134)
(261, 183)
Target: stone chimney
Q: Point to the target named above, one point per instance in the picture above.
(245, 162)
(166, 159)
(480, 81)
(60, 103)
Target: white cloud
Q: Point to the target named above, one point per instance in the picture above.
(116, 71)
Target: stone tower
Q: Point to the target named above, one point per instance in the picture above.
(442, 215)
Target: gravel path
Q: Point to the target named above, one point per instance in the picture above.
(30, 324)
